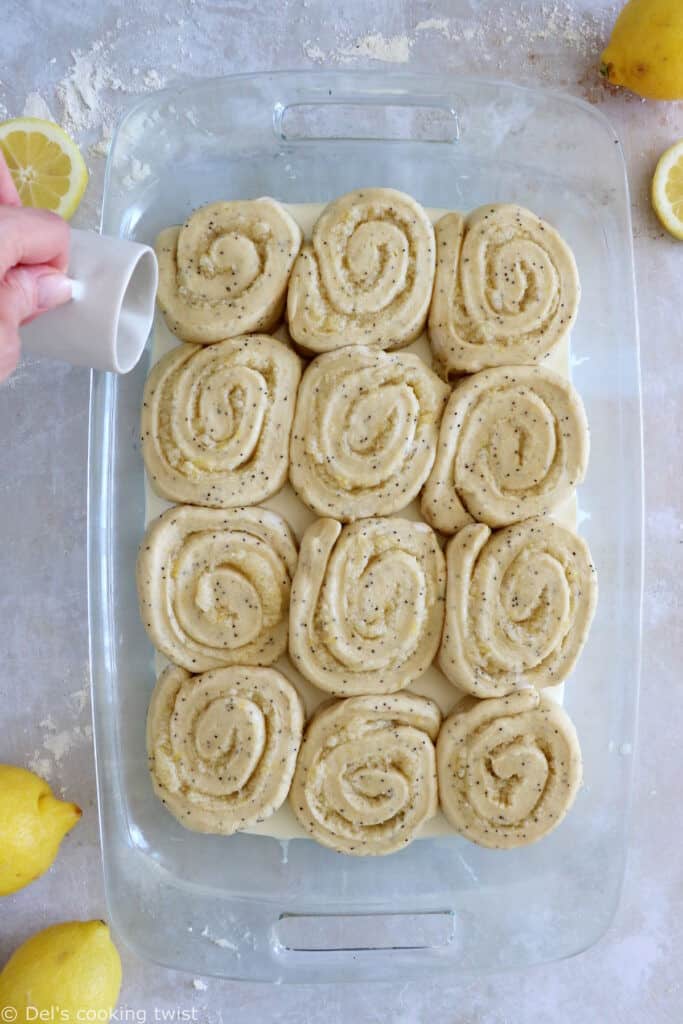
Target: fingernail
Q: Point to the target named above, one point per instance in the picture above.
(53, 290)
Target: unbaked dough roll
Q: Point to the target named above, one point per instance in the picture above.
(366, 277)
(216, 421)
(509, 769)
(365, 780)
(225, 271)
(222, 746)
(519, 605)
(513, 444)
(506, 290)
(214, 585)
(367, 604)
(365, 432)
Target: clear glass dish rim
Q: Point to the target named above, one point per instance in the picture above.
(99, 464)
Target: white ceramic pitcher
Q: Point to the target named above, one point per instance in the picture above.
(107, 321)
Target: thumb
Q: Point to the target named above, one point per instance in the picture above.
(27, 291)
(10, 348)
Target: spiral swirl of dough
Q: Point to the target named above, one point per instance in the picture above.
(216, 421)
(513, 444)
(365, 779)
(509, 769)
(506, 289)
(365, 432)
(367, 604)
(519, 605)
(222, 746)
(214, 585)
(225, 271)
(366, 277)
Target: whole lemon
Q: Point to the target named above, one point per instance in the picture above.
(33, 823)
(645, 52)
(66, 970)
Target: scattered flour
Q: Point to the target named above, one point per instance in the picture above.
(80, 92)
(58, 740)
(85, 93)
(553, 43)
(138, 172)
(101, 147)
(152, 80)
(526, 36)
(223, 943)
(374, 46)
(314, 52)
(59, 743)
(36, 106)
(390, 49)
(441, 25)
(200, 985)
(40, 765)
(80, 698)
(582, 32)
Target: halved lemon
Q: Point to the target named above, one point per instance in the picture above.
(46, 165)
(667, 190)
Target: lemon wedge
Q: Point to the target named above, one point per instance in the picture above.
(667, 190)
(46, 165)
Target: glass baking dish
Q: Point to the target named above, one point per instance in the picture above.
(250, 906)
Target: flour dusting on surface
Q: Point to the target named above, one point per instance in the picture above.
(81, 90)
(314, 52)
(60, 737)
(87, 92)
(40, 765)
(553, 43)
(390, 49)
(440, 25)
(59, 744)
(79, 699)
(152, 80)
(217, 941)
(374, 46)
(36, 106)
(139, 171)
(101, 147)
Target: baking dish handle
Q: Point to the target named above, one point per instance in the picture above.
(386, 117)
(348, 933)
